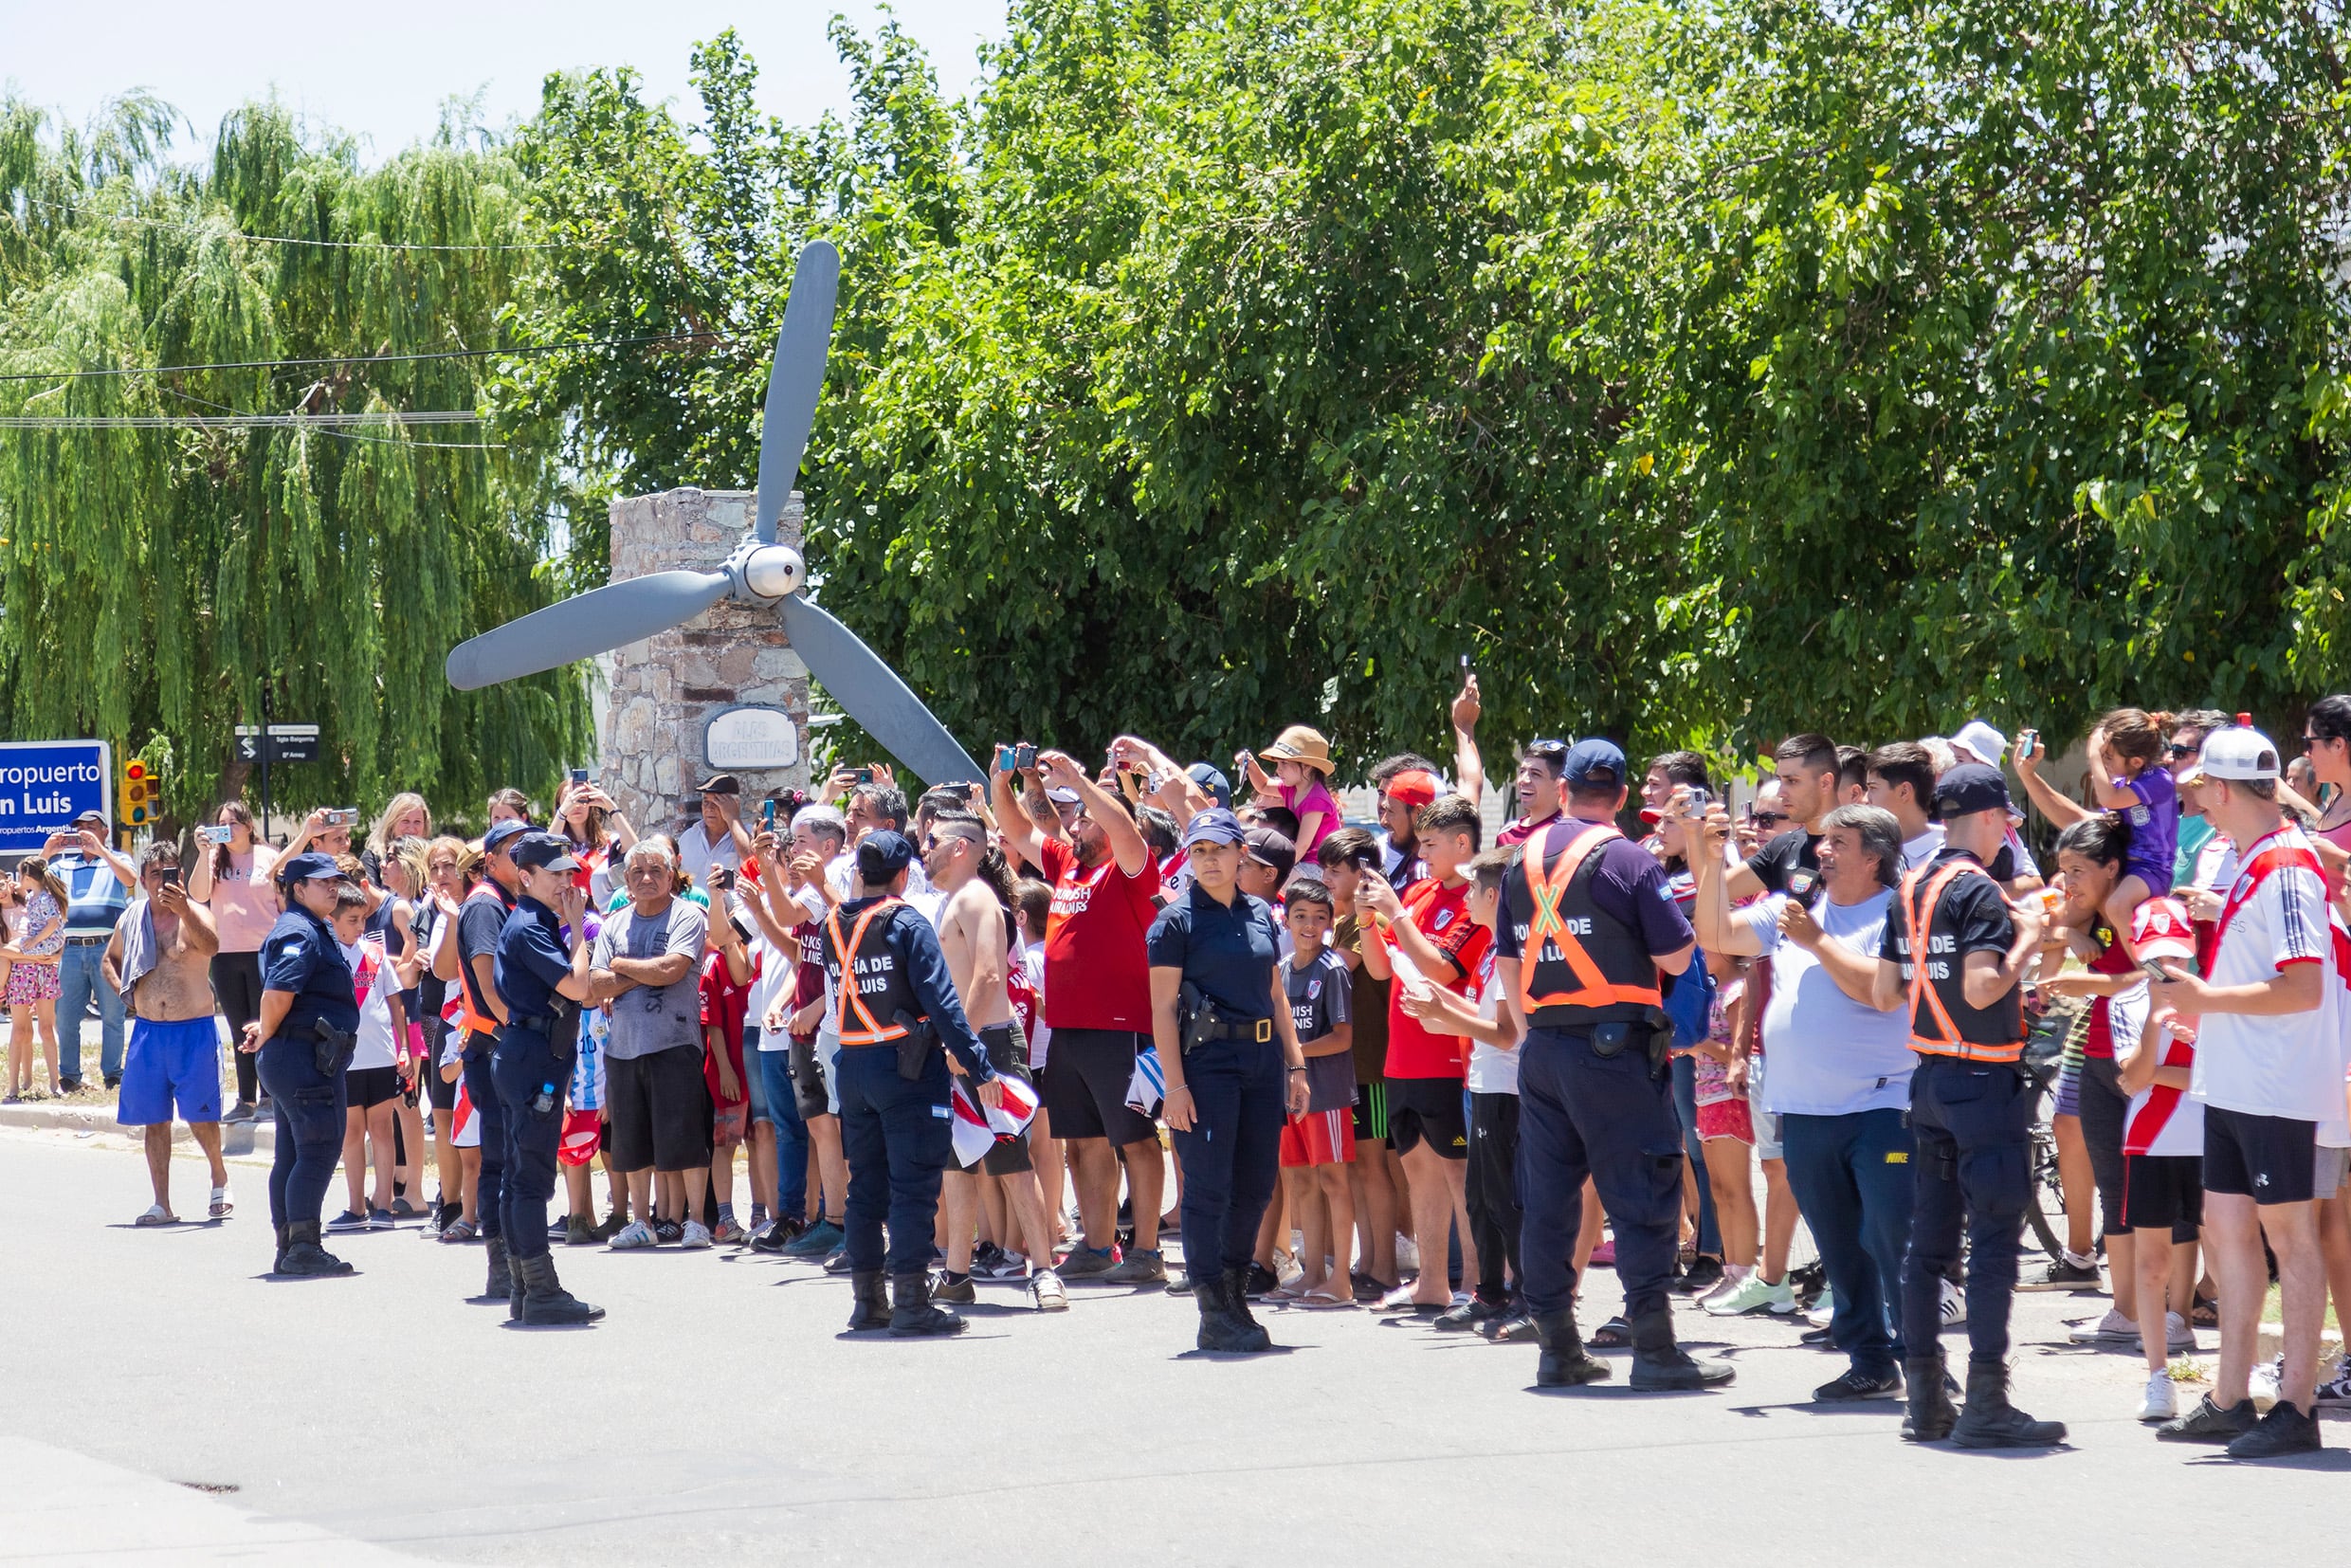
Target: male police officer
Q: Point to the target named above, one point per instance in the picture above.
(309, 1023)
(1958, 950)
(481, 920)
(1587, 929)
(896, 1004)
(531, 1065)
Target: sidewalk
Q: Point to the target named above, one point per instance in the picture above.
(85, 1115)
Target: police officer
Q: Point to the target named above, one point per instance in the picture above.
(898, 1007)
(531, 1065)
(481, 920)
(1234, 1068)
(305, 984)
(1957, 951)
(1587, 937)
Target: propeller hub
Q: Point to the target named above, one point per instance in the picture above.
(771, 570)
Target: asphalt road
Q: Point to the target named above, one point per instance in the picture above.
(720, 1415)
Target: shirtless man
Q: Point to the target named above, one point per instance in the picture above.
(973, 935)
(159, 958)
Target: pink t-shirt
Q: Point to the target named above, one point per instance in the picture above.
(1314, 796)
(245, 902)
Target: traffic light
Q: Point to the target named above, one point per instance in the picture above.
(142, 794)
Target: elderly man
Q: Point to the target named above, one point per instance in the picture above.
(719, 838)
(645, 963)
(159, 962)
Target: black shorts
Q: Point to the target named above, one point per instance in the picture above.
(1009, 1054)
(1428, 1110)
(1371, 1114)
(444, 1096)
(2268, 1159)
(807, 1079)
(368, 1087)
(659, 1110)
(2164, 1191)
(1085, 1086)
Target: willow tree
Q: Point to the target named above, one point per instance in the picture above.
(164, 583)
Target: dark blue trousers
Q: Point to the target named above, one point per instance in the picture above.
(1685, 1110)
(521, 1065)
(1852, 1180)
(307, 1111)
(481, 1090)
(1584, 1115)
(898, 1139)
(1974, 1125)
(1233, 1155)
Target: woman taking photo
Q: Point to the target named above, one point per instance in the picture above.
(598, 831)
(234, 882)
(1245, 1074)
(35, 935)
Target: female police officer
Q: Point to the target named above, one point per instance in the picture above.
(305, 985)
(1222, 1023)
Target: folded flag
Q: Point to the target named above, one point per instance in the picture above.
(1147, 1089)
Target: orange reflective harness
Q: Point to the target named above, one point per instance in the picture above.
(872, 1032)
(1918, 913)
(1545, 890)
(472, 1019)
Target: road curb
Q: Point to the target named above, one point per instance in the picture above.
(237, 1138)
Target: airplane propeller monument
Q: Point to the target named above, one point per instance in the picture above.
(760, 571)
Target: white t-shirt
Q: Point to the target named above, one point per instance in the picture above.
(777, 971)
(1492, 1070)
(366, 958)
(697, 854)
(2290, 1064)
(1918, 852)
(1829, 1055)
(1041, 1032)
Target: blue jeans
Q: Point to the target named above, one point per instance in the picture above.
(1583, 1115)
(1851, 1177)
(306, 1110)
(481, 1091)
(897, 1136)
(78, 981)
(1974, 1125)
(523, 1064)
(783, 1113)
(1233, 1155)
(1685, 1107)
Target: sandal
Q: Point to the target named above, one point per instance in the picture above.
(223, 1205)
(1324, 1301)
(157, 1215)
(459, 1230)
(1616, 1334)
(2205, 1313)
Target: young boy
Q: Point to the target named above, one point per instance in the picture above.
(583, 1124)
(1318, 1147)
(372, 1079)
(2162, 1151)
(728, 970)
(1376, 1178)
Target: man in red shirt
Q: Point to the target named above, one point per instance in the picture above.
(1431, 941)
(1098, 1005)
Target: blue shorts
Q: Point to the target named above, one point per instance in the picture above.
(168, 1063)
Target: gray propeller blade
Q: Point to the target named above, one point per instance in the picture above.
(584, 626)
(876, 697)
(796, 378)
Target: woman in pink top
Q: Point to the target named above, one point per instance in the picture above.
(231, 878)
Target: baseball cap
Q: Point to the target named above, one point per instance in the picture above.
(1210, 778)
(1269, 847)
(1414, 787)
(883, 855)
(720, 784)
(310, 863)
(2239, 751)
(1062, 794)
(1969, 788)
(500, 832)
(1988, 744)
(99, 817)
(1595, 764)
(1214, 825)
(535, 852)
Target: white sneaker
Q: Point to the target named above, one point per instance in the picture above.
(1954, 1306)
(2158, 1403)
(694, 1235)
(1824, 1309)
(2264, 1383)
(2113, 1330)
(2178, 1335)
(1047, 1291)
(1723, 1287)
(634, 1234)
(1753, 1295)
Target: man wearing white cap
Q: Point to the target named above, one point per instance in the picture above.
(2269, 1069)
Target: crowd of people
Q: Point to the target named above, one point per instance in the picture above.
(1397, 1065)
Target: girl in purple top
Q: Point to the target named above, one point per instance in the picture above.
(2127, 774)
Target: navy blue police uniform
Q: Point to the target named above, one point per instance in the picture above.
(481, 920)
(301, 959)
(898, 1008)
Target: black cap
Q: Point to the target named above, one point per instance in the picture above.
(1969, 788)
(532, 851)
(720, 784)
(883, 855)
(1271, 848)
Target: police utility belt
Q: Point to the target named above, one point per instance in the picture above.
(1204, 1021)
(1652, 1036)
(560, 1029)
(331, 1048)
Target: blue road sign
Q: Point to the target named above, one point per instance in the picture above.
(46, 784)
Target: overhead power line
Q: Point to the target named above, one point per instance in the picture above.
(233, 421)
(702, 340)
(287, 239)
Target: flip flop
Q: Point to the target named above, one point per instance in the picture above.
(157, 1215)
(223, 1205)
(1316, 1300)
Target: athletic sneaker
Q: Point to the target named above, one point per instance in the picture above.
(1954, 1306)
(1260, 1279)
(635, 1234)
(2335, 1393)
(728, 1233)
(2178, 1337)
(1700, 1277)
(1004, 1266)
(578, 1233)
(1753, 1295)
(2158, 1403)
(2265, 1381)
(1088, 1263)
(985, 1257)
(2283, 1431)
(669, 1230)
(1046, 1291)
(2113, 1330)
(838, 1263)
(1139, 1267)
(2062, 1273)
(380, 1219)
(346, 1222)
(1853, 1385)
(2209, 1423)
(815, 1244)
(1823, 1310)
(693, 1235)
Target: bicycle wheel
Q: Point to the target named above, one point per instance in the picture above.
(2046, 1212)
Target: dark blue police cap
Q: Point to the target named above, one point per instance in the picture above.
(309, 863)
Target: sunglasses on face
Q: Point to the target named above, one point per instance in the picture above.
(1770, 819)
(2177, 751)
(2310, 741)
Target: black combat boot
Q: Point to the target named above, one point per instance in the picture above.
(305, 1258)
(1991, 1422)
(1236, 1297)
(500, 1283)
(277, 1264)
(914, 1314)
(1931, 1414)
(870, 1305)
(1223, 1324)
(545, 1303)
(1659, 1364)
(1565, 1363)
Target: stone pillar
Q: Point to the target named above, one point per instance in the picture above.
(664, 690)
